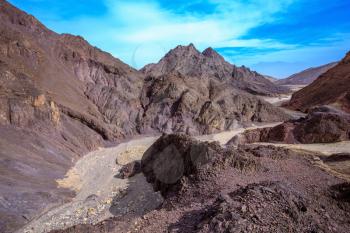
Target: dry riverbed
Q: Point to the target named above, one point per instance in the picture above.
(100, 194)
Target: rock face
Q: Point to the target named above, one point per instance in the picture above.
(322, 125)
(331, 88)
(209, 65)
(307, 76)
(175, 103)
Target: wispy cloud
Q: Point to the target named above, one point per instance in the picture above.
(139, 31)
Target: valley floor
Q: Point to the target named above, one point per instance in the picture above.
(101, 194)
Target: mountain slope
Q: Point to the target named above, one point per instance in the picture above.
(58, 100)
(188, 61)
(178, 103)
(307, 76)
(331, 88)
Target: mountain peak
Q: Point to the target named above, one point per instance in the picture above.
(189, 47)
(211, 53)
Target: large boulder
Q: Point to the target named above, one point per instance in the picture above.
(174, 158)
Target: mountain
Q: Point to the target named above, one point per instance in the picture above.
(331, 88)
(177, 103)
(188, 61)
(307, 76)
(60, 98)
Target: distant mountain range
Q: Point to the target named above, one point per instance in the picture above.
(307, 76)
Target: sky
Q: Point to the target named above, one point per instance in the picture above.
(273, 37)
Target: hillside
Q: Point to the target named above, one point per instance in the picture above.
(307, 76)
(331, 88)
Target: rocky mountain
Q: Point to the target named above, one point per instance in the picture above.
(178, 103)
(188, 61)
(331, 88)
(307, 76)
(60, 98)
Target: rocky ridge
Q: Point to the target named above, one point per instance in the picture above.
(331, 88)
(209, 65)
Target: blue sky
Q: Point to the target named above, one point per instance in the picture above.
(274, 37)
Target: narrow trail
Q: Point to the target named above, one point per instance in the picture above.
(323, 148)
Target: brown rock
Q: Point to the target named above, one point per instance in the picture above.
(322, 125)
(188, 61)
(130, 169)
(174, 158)
(331, 88)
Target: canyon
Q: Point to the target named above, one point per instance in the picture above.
(192, 143)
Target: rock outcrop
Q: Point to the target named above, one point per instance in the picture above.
(321, 125)
(331, 88)
(175, 158)
(209, 65)
(177, 103)
(307, 76)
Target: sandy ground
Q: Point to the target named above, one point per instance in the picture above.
(281, 99)
(323, 148)
(277, 100)
(224, 137)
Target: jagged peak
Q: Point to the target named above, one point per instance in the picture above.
(210, 52)
(189, 47)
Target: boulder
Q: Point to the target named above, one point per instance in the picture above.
(175, 158)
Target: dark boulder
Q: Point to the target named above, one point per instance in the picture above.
(174, 158)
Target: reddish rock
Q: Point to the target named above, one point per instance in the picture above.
(331, 88)
(130, 169)
(321, 125)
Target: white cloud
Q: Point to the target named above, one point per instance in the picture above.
(133, 30)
